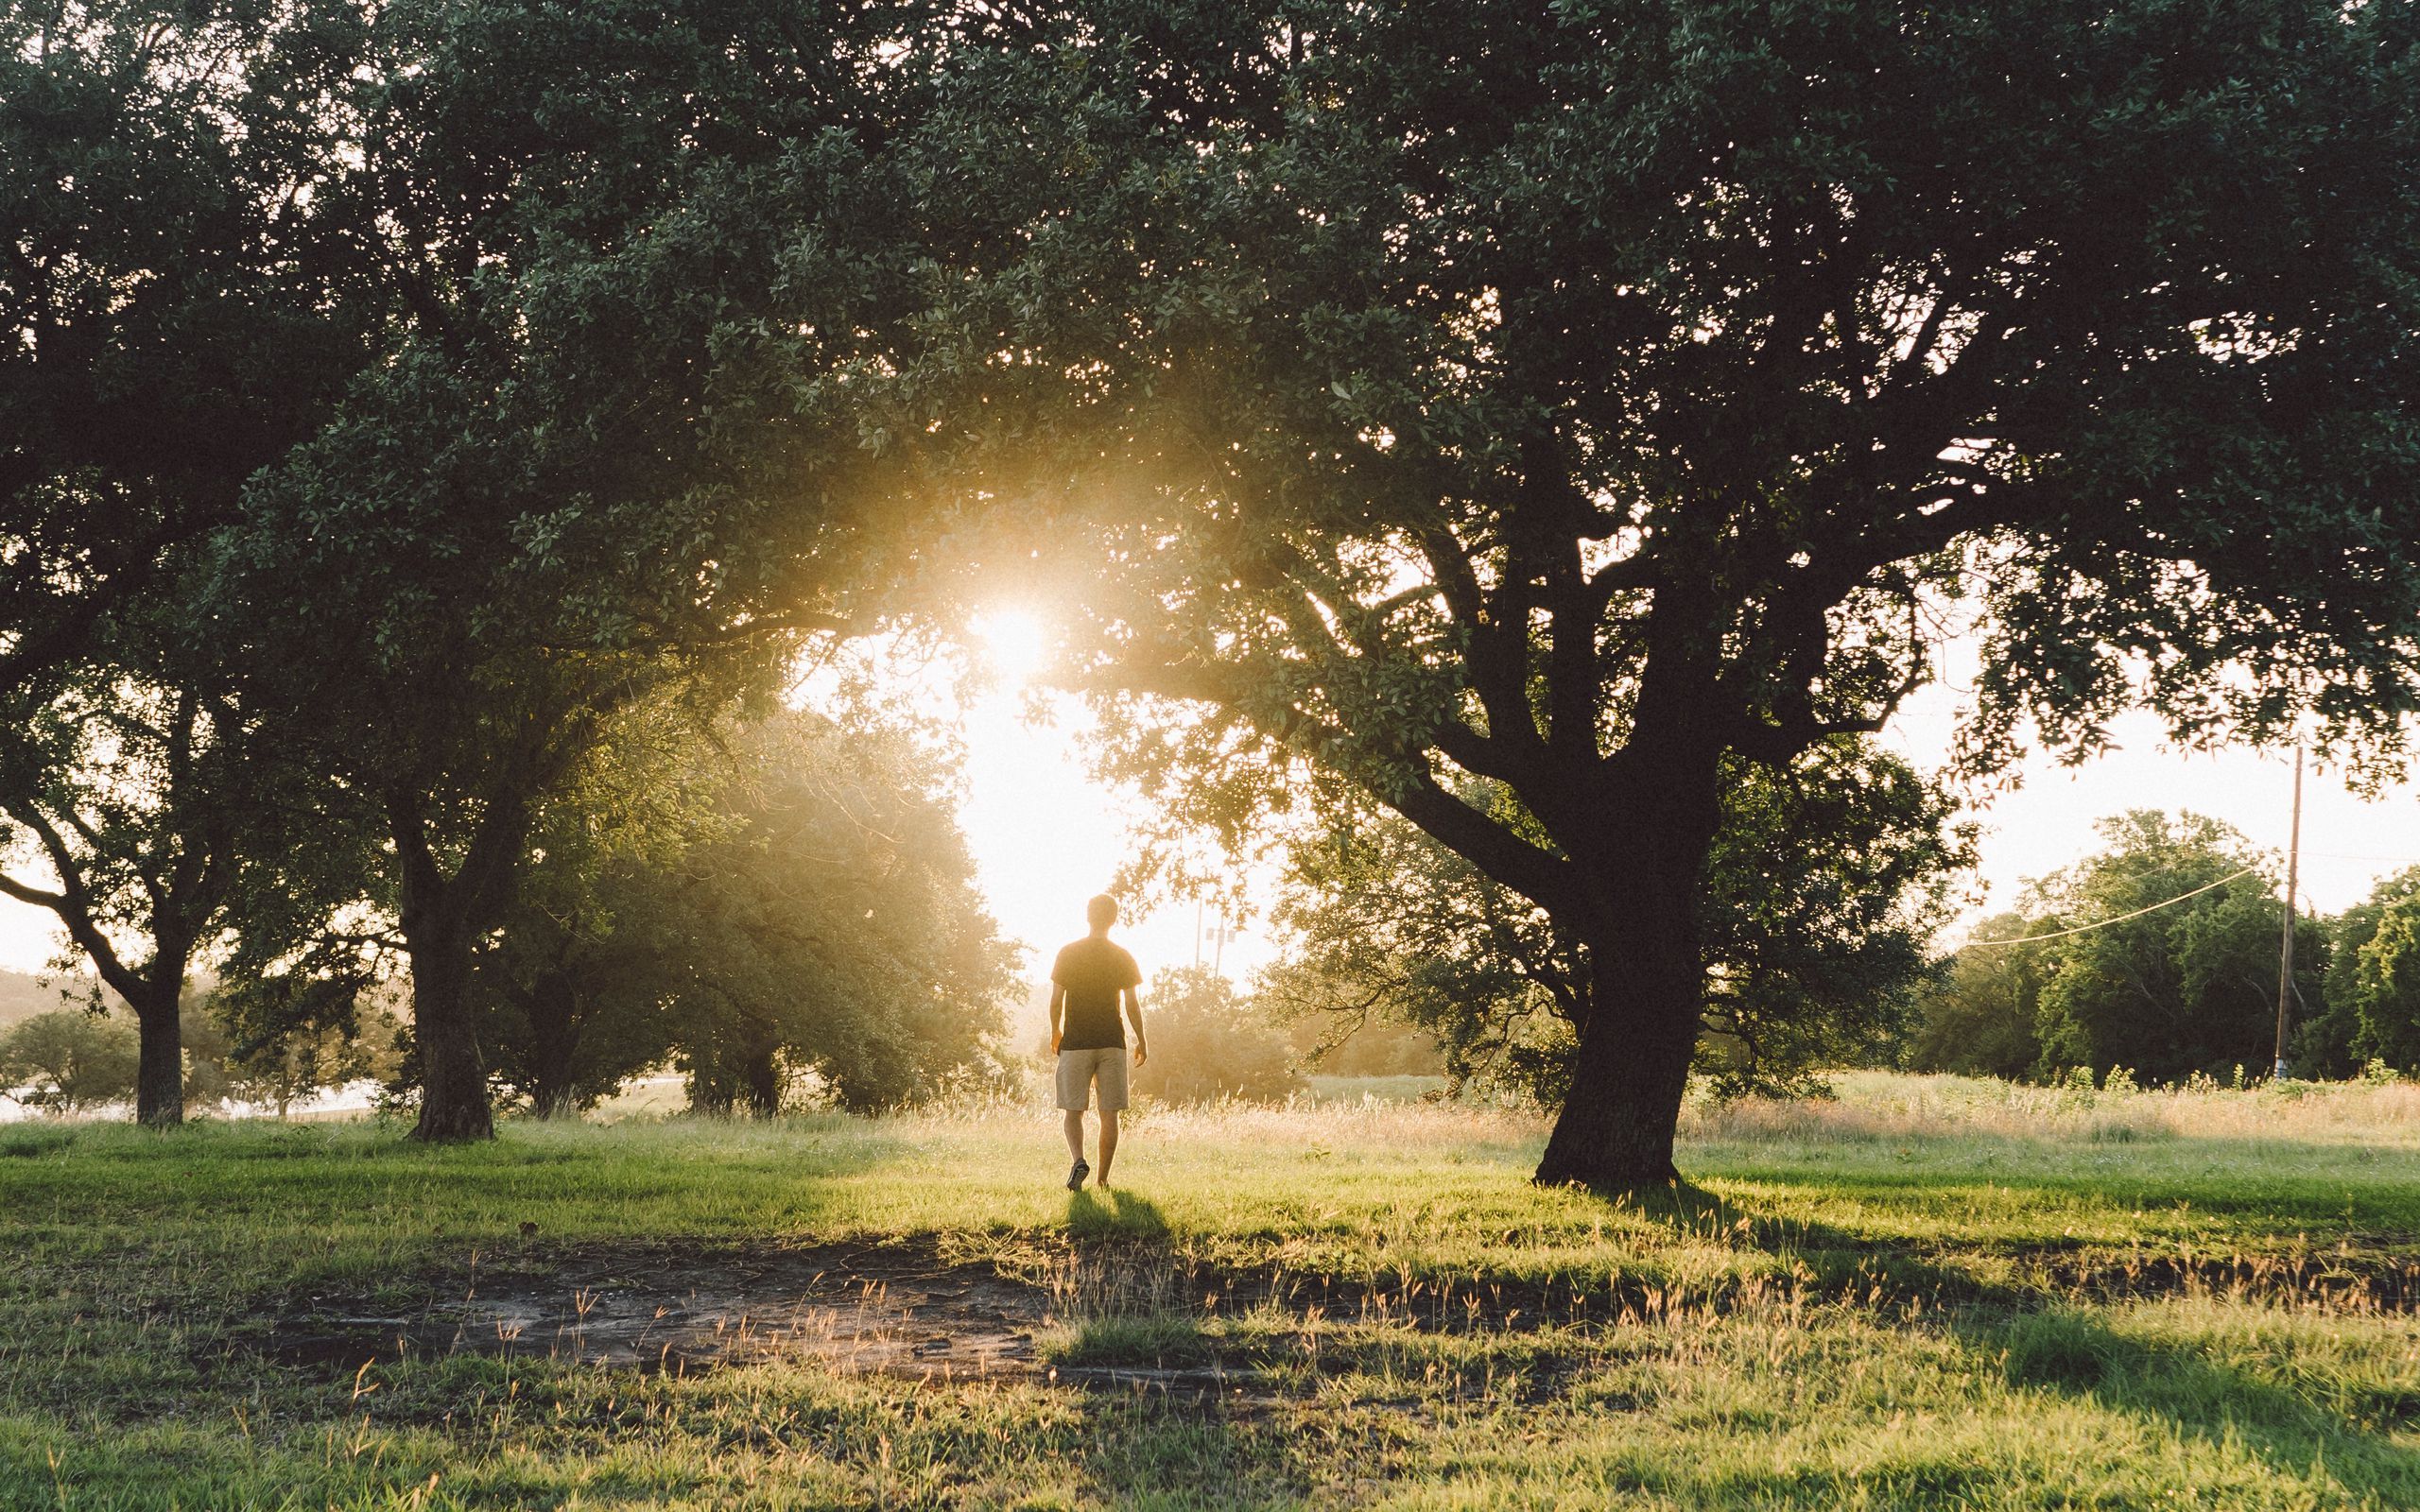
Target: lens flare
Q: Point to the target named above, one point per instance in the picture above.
(1013, 643)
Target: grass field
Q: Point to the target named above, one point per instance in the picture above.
(1926, 1294)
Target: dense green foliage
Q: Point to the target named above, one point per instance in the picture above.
(2190, 988)
(178, 311)
(1811, 951)
(320, 375)
(175, 307)
(811, 924)
(2373, 1003)
(511, 507)
(1979, 1016)
(2186, 989)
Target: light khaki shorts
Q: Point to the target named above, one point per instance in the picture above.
(1079, 1070)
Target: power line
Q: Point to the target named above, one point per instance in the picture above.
(2081, 929)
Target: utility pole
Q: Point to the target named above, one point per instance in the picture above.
(2286, 944)
(1219, 933)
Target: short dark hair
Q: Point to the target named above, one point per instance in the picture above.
(1101, 912)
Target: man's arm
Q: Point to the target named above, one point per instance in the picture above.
(1058, 1001)
(1135, 1017)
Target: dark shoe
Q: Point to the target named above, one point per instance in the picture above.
(1075, 1177)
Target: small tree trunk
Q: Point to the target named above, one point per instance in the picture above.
(553, 1011)
(710, 1093)
(763, 1079)
(454, 1074)
(159, 1057)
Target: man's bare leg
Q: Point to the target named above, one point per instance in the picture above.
(1108, 1144)
(1075, 1125)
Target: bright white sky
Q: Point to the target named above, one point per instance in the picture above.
(1047, 837)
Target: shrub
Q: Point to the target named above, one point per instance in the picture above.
(1207, 1042)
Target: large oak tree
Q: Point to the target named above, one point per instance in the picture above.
(1581, 396)
(537, 510)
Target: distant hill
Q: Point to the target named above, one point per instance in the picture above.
(23, 996)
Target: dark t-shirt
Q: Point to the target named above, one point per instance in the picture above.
(1094, 972)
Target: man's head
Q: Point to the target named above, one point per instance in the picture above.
(1101, 913)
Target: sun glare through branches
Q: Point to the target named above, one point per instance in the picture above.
(1014, 644)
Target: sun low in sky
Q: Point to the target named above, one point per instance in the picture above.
(1044, 835)
(1013, 642)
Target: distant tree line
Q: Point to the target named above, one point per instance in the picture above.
(2182, 990)
(72, 1046)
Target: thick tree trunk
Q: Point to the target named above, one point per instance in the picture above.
(442, 917)
(454, 1074)
(1648, 993)
(1630, 1072)
(160, 1058)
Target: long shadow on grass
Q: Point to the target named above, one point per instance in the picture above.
(1835, 1262)
(2067, 1352)
(1123, 1216)
(2042, 1340)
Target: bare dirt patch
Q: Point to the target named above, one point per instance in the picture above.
(866, 1308)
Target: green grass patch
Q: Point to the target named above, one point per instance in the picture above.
(1926, 1294)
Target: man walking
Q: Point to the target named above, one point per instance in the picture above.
(1090, 980)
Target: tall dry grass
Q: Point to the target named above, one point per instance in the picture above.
(1866, 1107)
(1300, 1121)
(1878, 1106)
